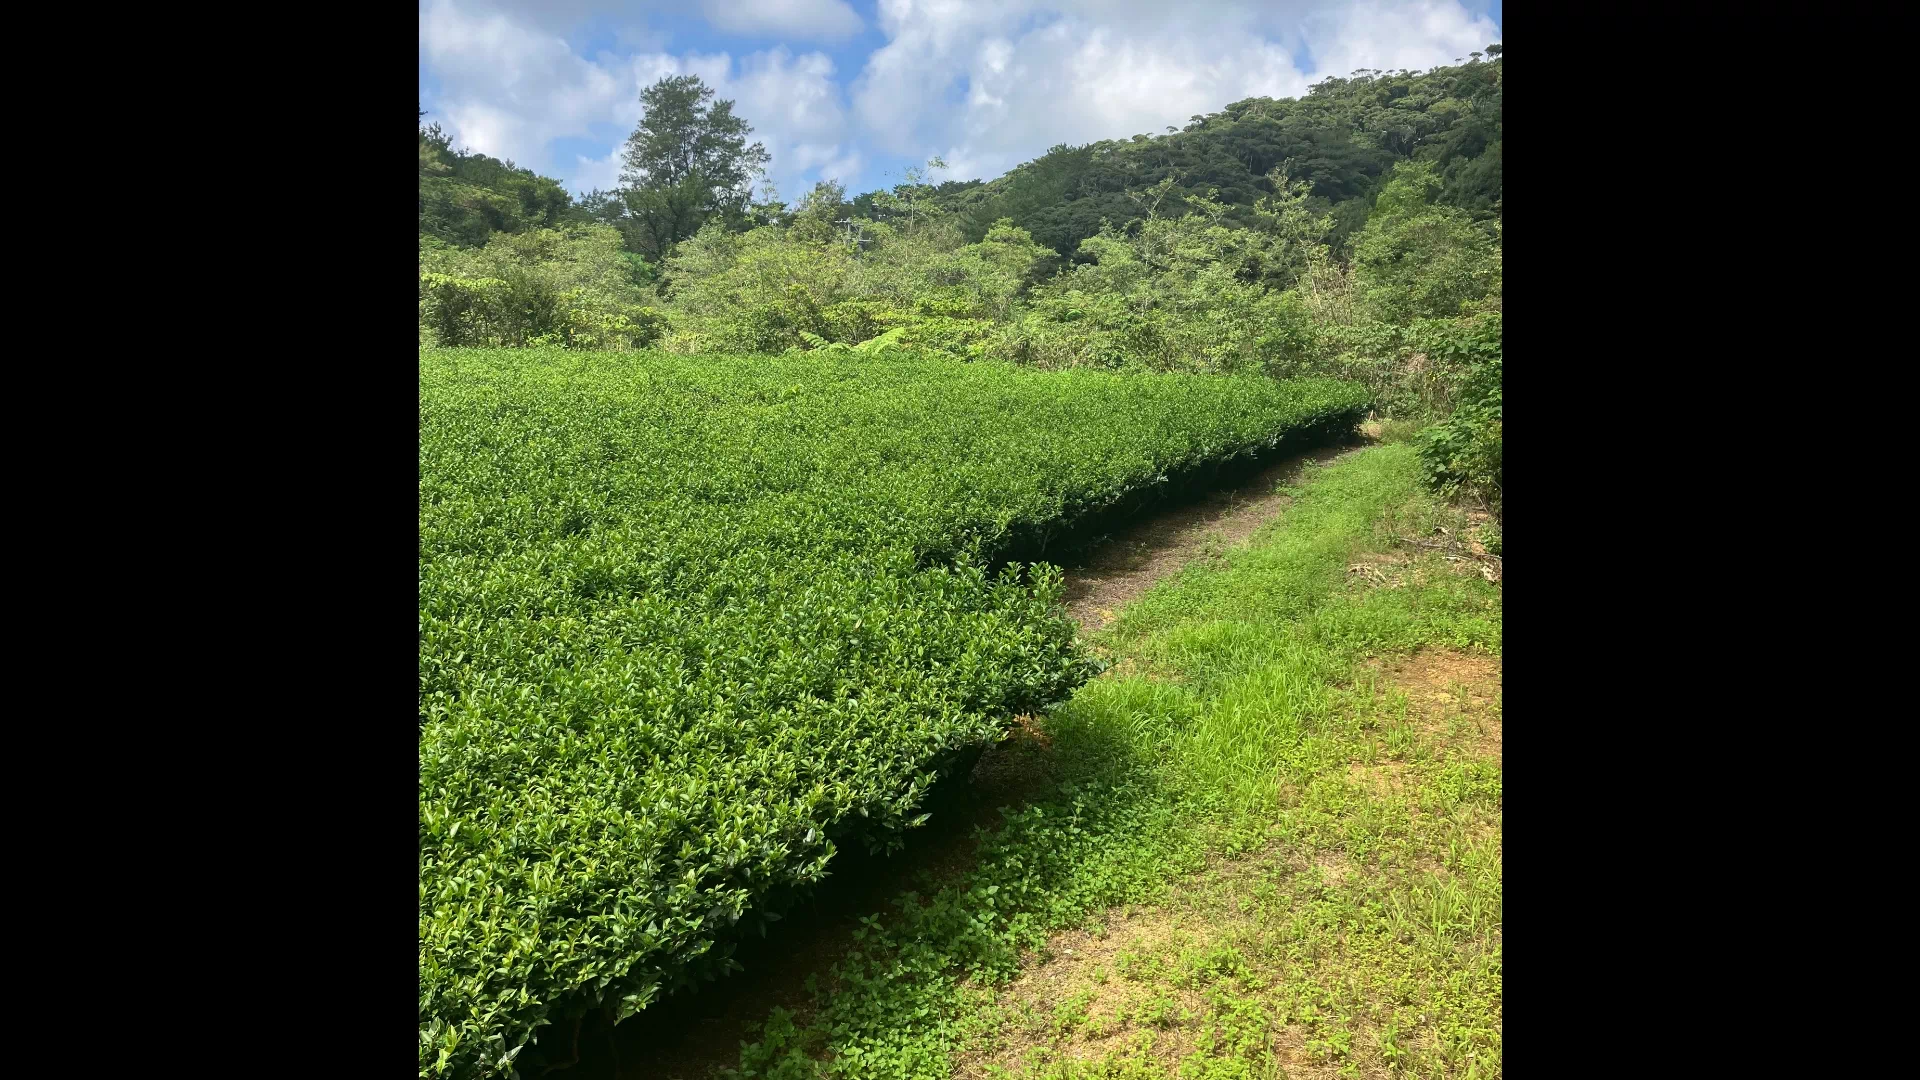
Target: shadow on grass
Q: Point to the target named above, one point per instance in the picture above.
(1078, 539)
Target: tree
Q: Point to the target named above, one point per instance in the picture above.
(1421, 259)
(687, 162)
(605, 207)
(466, 197)
(817, 216)
(1341, 138)
(433, 147)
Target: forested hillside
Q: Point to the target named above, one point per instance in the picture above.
(465, 197)
(1340, 139)
(1354, 232)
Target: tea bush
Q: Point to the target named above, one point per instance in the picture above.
(688, 622)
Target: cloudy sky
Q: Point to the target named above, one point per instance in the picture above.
(856, 90)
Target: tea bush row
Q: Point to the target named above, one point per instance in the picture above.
(687, 622)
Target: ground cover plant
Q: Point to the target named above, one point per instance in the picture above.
(688, 622)
(1269, 843)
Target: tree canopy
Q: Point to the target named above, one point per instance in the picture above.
(465, 198)
(1341, 139)
(686, 162)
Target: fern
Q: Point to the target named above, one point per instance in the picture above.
(885, 343)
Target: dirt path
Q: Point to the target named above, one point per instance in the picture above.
(1132, 561)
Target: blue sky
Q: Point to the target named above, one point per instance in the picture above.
(856, 90)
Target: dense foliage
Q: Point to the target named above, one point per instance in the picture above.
(1462, 453)
(686, 623)
(573, 286)
(465, 198)
(1193, 292)
(1342, 139)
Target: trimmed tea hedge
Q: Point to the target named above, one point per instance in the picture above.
(684, 622)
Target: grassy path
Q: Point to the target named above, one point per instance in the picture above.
(1266, 842)
(1137, 559)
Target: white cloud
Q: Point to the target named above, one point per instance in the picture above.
(1413, 34)
(1036, 74)
(987, 83)
(589, 174)
(803, 20)
(845, 169)
(792, 102)
(509, 89)
(561, 16)
(640, 39)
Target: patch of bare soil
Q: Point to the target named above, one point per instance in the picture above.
(1077, 1001)
(1450, 694)
(1121, 990)
(1127, 990)
(1131, 562)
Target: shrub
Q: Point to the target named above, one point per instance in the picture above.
(574, 288)
(1177, 294)
(1462, 454)
(757, 291)
(466, 311)
(1417, 370)
(523, 310)
(1417, 259)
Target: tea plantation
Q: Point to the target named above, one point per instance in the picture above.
(687, 622)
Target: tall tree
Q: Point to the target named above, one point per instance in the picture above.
(817, 215)
(687, 162)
